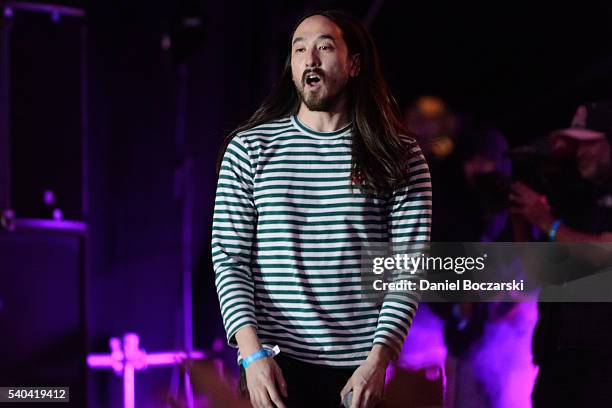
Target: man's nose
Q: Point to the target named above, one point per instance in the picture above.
(312, 59)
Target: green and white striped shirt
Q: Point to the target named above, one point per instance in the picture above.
(286, 239)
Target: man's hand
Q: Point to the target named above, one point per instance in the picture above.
(368, 380)
(263, 376)
(531, 205)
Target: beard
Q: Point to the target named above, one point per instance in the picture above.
(316, 102)
(319, 100)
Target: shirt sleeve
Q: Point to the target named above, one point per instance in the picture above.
(409, 225)
(233, 232)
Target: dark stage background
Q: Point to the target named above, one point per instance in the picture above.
(519, 67)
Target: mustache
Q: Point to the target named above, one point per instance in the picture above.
(308, 71)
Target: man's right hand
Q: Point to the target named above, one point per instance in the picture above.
(264, 379)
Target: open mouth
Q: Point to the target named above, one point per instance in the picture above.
(312, 79)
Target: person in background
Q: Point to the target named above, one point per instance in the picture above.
(572, 343)
(478, 373)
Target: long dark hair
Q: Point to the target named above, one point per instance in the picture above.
(378, 154)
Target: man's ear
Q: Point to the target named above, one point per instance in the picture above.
(355, 65)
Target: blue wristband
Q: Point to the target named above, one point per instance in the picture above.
(553, 230)
(263, 353)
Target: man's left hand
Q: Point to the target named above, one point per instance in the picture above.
(368, 380)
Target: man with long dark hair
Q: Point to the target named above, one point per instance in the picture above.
(323, 168)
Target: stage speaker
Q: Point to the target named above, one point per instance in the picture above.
(42, 313)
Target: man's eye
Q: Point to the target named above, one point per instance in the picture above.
(299, 50)
(325, 47)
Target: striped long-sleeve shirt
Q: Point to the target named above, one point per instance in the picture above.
(286, 240)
